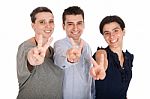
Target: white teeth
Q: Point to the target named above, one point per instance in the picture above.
(48, 31)
(75, 32)
(113, 41)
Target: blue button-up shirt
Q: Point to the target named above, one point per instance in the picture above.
(77, 84)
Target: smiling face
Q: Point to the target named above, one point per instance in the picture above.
(113, 35)
(74, 26)
(44, 24)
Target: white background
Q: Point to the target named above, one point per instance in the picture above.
(15, 27)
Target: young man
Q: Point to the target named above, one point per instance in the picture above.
(73, 55)
(38, 77)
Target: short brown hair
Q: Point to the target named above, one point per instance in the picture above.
(73, 10)
(38, 10)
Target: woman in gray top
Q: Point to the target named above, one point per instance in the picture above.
(38, 77)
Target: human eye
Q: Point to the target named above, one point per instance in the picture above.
(42, 22)
(80, 23)
(116, 30)
(51, 21)
(106, 33)
(69, 24)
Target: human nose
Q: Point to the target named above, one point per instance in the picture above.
(49, 25)
(75, 27)
(112, 34)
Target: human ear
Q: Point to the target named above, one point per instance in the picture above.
(63, 26)
(123, 32)
(32, 26)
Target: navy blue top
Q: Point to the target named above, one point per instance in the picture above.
(116, 82)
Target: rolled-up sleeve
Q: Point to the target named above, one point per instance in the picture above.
(60, 59)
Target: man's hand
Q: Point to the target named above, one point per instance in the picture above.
(37, 54)
(74, 53)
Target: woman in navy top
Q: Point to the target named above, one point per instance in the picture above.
(116, 64)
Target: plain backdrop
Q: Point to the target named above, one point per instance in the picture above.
(15, 27)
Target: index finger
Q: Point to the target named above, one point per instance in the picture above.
(94, 62)
(72, 42)
(39, 40)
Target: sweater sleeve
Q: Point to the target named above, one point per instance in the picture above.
(22, 70)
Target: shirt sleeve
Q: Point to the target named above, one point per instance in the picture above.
(130, 58)
(88, 54)
(60, 59)
(93, 89)
(22, 70)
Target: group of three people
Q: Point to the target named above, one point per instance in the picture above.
(68, 71)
